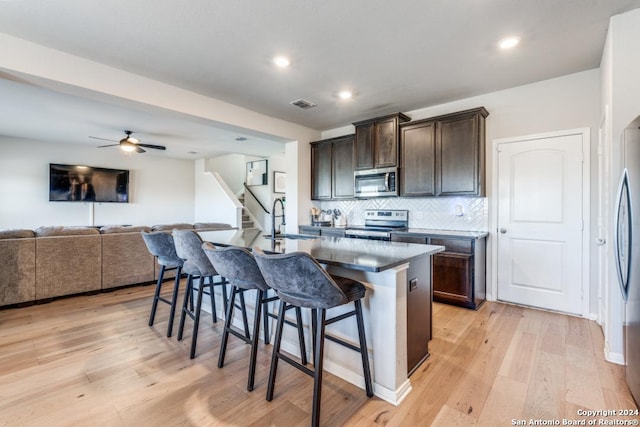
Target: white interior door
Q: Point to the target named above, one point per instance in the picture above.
(540, 222)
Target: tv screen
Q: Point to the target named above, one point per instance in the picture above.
(76, 183)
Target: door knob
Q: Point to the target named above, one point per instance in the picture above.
(503, 230)
(600, 241)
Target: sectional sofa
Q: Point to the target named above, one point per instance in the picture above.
(50, 262)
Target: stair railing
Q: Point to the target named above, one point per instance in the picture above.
(246, 187)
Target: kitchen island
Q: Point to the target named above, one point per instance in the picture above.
(397, 306)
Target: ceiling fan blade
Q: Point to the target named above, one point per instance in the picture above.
(103, 139)
(110, 145)
(155, 147)
(140, 150)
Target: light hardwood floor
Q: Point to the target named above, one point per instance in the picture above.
(93, 361)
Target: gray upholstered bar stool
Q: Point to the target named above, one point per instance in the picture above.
(239, 267)
(160, 245)
(196, 265)
(300, 281)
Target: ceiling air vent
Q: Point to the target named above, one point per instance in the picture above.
(303, 103)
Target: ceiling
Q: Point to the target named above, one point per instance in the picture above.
(394, 55)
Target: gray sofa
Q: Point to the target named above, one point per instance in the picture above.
(56, 261)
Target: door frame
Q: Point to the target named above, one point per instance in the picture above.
(586, 212)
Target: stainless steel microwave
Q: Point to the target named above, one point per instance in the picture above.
(376, 182)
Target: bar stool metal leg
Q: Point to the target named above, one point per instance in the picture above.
(188, 297)
(273, 370)
(364, 353)
(196, 320)
(254, 341)
(174, 301)
(318, 362)
(156, 296)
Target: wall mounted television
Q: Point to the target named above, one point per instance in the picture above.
(77, 183)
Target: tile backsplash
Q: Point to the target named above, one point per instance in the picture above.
(433, 213)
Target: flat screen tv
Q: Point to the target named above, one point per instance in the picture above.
(76, 183)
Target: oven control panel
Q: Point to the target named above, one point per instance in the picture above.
(387, 214)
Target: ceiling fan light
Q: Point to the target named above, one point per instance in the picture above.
(127, 146)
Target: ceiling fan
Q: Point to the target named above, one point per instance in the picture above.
(129, 143)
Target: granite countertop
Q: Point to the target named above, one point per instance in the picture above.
(447, 233)
(356, 254)
(422, 231)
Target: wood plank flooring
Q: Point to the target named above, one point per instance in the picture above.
(92, 360)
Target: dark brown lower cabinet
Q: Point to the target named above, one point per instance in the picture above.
(458, 273)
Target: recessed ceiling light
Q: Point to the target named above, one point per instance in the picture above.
(281, 61)
(345, 94)
(508, 42)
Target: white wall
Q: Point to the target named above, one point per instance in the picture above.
(161, 190)
(214, 200)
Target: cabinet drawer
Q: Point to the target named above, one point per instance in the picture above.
(332, 233)
(463, 246)
(408, 239)
(309, 230)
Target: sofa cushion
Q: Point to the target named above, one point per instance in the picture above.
(111, 229)
(68, 264)
(18, 278)
(125, 260)
(211, 225)
(16, 234)
(169, 227)
(65, 231)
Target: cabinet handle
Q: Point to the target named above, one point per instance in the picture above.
(503, 230)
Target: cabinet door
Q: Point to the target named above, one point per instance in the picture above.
(458, 156)
(364, 146)
(386, 143)
(321, 171)
(452, 281)
(342, 171)
(417, 159)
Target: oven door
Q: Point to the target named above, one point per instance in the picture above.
(375, 182)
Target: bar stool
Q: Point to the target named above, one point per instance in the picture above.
(196, 265)
(239, 267)
(300, 281)
(160, 245)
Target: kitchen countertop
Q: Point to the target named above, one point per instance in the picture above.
(355, 254)
(447, 233)
(421, 231)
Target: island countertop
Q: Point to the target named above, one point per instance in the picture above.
(355, 254)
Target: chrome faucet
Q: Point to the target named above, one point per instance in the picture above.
(274, 216)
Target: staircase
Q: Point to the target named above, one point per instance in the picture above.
(246, 220)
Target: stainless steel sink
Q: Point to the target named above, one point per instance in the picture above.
(290, 236)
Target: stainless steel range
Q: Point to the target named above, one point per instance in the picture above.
(379, 223)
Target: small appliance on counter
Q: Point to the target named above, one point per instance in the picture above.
(339, 220)
(320, 218)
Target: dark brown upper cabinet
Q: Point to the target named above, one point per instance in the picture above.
(418, 159)
(376, 141)
(444, 155)
(332, 168)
